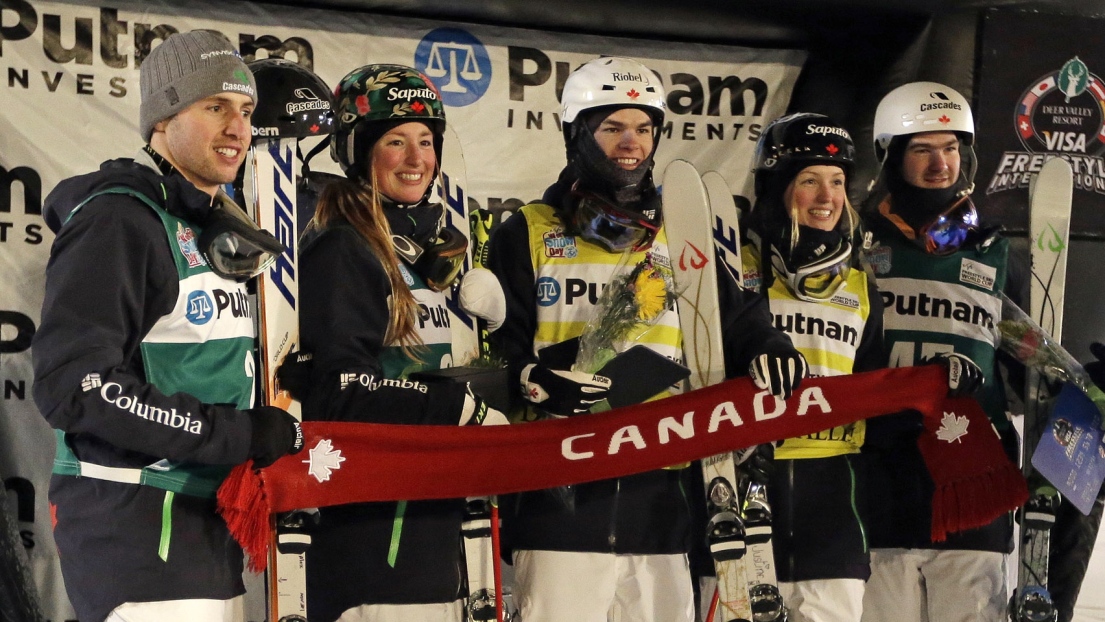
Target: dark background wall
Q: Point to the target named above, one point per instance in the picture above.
(858, 51)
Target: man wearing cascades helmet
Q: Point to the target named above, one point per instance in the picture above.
(614, 547)
(931, 255)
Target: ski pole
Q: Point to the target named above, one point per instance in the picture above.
(500, 602)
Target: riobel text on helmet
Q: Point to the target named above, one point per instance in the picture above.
(825, 130)
(628, 77)
(394, 94)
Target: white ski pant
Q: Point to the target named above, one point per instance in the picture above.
(823, 600)
(188, 610)
(431, 612)
(925, 585)
(558, 586)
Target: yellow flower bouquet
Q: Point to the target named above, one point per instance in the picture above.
(634, 299)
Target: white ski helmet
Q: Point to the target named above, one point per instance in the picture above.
(612, 81)
(921, 107)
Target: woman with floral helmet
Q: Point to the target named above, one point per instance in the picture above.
(375, 260)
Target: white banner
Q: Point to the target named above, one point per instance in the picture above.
(69, 100)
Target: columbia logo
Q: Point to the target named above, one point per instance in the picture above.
(91, 381)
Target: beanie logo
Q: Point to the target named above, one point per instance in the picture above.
(172, 96)
(242, 88)
(207, 55)
(240, 74)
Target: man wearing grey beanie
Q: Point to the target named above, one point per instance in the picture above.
(145, 355)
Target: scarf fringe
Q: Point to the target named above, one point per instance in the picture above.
(971, 502)
(245, 508)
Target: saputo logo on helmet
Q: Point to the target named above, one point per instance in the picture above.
(825, 130)
(409, 94)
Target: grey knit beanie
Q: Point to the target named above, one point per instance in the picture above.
(185, 68)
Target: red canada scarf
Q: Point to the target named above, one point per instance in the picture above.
(358, 462)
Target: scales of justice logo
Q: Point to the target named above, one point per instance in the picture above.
(1062, 113)
(457, 62)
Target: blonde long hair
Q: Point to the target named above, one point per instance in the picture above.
(360, 206)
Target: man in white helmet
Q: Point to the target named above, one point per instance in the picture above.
(613, 549)
(933, 259)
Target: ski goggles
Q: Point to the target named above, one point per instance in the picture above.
(233, 245)
(820, 280)
(947, 232)
(439, 264)
(610, 227)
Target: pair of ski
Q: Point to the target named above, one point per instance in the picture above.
(272, 177)
(699, 210)
(1050, 198)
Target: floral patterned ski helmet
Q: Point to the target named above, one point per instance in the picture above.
(371, 99)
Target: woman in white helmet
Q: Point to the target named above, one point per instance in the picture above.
(613, 549)
(931, 254)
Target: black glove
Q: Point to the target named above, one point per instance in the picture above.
(1096, 369)
(275, 433)
(780, 373)
(757, 461)
(964, 377)
(563, 392)
(294, 374)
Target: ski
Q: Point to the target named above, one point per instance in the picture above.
(726, 221)
(452, 190)
(269, 187)
(480, 528)
(690, 242)
(1049, 230)
(763, 585)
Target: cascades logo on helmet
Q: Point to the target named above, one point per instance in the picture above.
(458, 62)
(941, 106)
(825, 130)
(311, 102)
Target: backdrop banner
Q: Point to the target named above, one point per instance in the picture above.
(70, 100)
(1050, 103)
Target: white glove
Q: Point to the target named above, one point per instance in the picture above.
(481, 295)
(477, 412)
